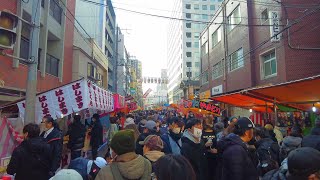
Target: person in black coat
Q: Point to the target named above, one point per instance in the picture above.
(96, 133)
(77, 133)
(148, 129)
(236, 160)
(53, 136)
(193, 150)
(31, 159)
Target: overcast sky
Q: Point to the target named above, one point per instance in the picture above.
(147, 36)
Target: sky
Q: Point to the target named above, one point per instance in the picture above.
(146, 37)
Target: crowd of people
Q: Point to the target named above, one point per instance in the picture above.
(166, 145)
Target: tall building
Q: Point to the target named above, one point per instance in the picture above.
(99, 22)
(183, 43)
(136, 79)
(55, 48)
(236, 56)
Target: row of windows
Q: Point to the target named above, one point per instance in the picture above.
(195, 26)
(195, 44)
(197, 16)
(195, 35)
(196, 64)
(203, 7)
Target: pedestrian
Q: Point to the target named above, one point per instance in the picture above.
(96, 139)
(210, 141)
(192, 148)
(289, 143)
(163, 127)
(271, 133)
(32, 157)
(231, 123)
(67, 174)
(152, 148)
(114, 127)
(148, 129)
(53, 137)
(77, 133)
(135, 129)
(267, 151)
(126, 163)
(316, 129)
(88, 169)
(303, 164)
(172, 139)
(129, 120)
(173, 167)
(236, 160)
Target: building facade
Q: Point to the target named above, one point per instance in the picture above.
(183, 43)
(136, 80)
(99, 22)
(245, 46)
(55, 48)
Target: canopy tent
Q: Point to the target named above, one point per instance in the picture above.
(300, 94)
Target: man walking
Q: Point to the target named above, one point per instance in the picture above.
(77, 133)
(96, 133)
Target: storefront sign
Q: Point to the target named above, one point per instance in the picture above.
(202, 105)
(217, 90)
(70, 98)
(274, 26)
(205, 94)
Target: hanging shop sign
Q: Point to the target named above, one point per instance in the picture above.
(70, 98)
(202, 105)
(274, 26)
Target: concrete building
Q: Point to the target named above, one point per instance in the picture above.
(89, 61)
(236, 56)
(99, 21)
(136, 79)
(55, 48)
(183, 43)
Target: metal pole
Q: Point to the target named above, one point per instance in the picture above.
(275, 112)
(32, 68)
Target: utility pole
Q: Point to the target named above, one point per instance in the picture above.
(32, 67)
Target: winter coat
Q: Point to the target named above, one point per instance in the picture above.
(266, 149)
(311, 141)
(195, 153)
(289, 143)
(31, 159)
(80, 165)
(96, 134)
(315, 131)
(276, 174)
(153, 156)
(54, 139)
(139, 147)
(236, 160)
(168, 146)
(77, 133)
(126, 166)
(278, 133)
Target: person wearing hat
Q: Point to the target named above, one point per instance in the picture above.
(150, 128)
(88, 169)
(172, 139)
(126, 163)
(193, 150)
(152, 147)
(236, 160)
(231, 123)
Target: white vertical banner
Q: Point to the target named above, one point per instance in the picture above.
(274, 25)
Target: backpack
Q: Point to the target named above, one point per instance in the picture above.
(268, 154)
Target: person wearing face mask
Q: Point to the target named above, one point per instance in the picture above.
(172, 139)
(236, 160)
(192, 148)
(31, 159)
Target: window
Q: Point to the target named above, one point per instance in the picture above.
(269, 64)
(196, 56)
(216, 37)
(52, 65)
(217, 70)
(212, 7)
(220, 0)
(196, 35)
(55, 10)
(188, 25)
(197, 64)
(91, 70)
(42, 3)
(196, 6)
(236, 60)
(205, 77)
(196, 74)
(204, 7)
(212, 0)
(204, 16)
(196, 16)
(188, 15)
(188, 34)
(234, 18)
(196, 26)
(189, 54)
(188, 6)
(189, 64)
(264, 16)
(196, 44)
(189, 74)
(24, 48)
(188, 44)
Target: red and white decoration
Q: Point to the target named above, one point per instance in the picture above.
(71, 98)
(257, 118)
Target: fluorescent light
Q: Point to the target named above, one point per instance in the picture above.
(250, 110)
(314, 109)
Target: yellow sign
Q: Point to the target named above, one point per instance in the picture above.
(205, 95)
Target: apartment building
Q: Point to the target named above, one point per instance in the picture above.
(183, 43)
(245, 47)
(55, 48)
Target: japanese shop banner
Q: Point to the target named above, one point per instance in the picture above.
(70, 98)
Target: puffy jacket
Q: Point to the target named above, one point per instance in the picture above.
(80, 165)
(31, 159)
(77, 133)
(266, 149)
(236, 160)
(54, 139)
(276, 174)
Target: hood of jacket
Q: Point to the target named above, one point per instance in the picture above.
(131, 169)
(153, 156)
(35, 145)
(276, 175)
(291, 142)
(128, 121)
(230, 140)
(190, 136)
